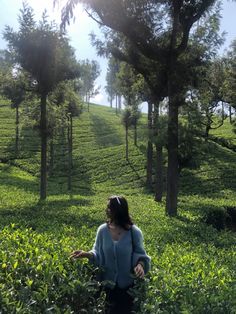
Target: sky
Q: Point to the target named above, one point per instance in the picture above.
(80, 29)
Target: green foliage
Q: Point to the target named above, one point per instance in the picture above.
(37, 275)
(191, 144)
(216, 217)
(230, 73)
(41, 50)
(63, 101)
(111, 78)
(193, 264)
(127, 117)
(89, 71)
(14, 89)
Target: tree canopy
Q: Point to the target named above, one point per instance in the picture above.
(43, 51)
(161, 33)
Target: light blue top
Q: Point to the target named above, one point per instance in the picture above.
(115, 258)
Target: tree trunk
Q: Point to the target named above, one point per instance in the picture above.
(159, 157)
(159, 173)
(43, 129)
(126, 144)
(230, 114)
(111, 101)
(149, 148)
(116, 104)
(135, 133)
(173, 95)
(51, 163)
(17, 130)
(88, 100)
(119, 102)
(172, 172)
(207, 130)
(222, 112)
(69, 141)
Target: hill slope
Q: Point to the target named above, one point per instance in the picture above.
(193, 265)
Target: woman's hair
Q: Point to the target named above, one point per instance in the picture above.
(118, 211)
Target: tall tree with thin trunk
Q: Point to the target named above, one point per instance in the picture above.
(128, 85)
(230, 80)
(160, 30)
(15, 89)
(90, 70)
(149, 145)
(44, 52)
(211, 95)
(127, 121)
(112, 70)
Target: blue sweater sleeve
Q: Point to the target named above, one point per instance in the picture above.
(96, 250)
(139, 253)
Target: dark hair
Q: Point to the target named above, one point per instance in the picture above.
(118, 211)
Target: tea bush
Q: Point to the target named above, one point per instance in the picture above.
(36, 275)
(193, 264)
(217, 217)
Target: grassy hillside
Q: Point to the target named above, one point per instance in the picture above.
(193, 265)
(225, 132)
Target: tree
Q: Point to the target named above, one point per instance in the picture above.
(5, 65)
(191, 146)
(211, 96)
(129, 85)
(230, 79)
(161, 32)
(13, 84)
(65, 104)
(89, 73)
(127, 121)
(44, 52)
(72, 110)
(152, 89)
(112, 70)
(15, 89)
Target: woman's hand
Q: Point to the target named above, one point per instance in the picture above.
(139, 271)
(80, 254)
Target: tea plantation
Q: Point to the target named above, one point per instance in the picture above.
(193, 263)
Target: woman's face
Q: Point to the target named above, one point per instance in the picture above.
(108, 211)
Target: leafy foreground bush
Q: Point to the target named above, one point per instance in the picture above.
(192, 281)
(36, 276)
(193, 270)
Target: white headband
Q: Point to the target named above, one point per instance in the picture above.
(118, 201)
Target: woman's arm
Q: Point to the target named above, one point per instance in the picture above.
(96, 250)
(92, 255)
(141, 260)
(81, 254)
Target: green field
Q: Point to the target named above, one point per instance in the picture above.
(193, 264)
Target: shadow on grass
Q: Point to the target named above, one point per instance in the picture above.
(136, 173)
(143, 149)
(220, 176)
(9, 180)
(44, 216)
(81, 181)
(180, 231)
(28, 144)
(105, 134)
(29, 141)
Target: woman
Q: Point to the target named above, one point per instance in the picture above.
(118, 250)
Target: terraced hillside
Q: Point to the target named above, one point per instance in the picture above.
(193, 265)
(99, 156)
(98, 152)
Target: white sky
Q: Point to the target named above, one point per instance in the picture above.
(83, 25)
